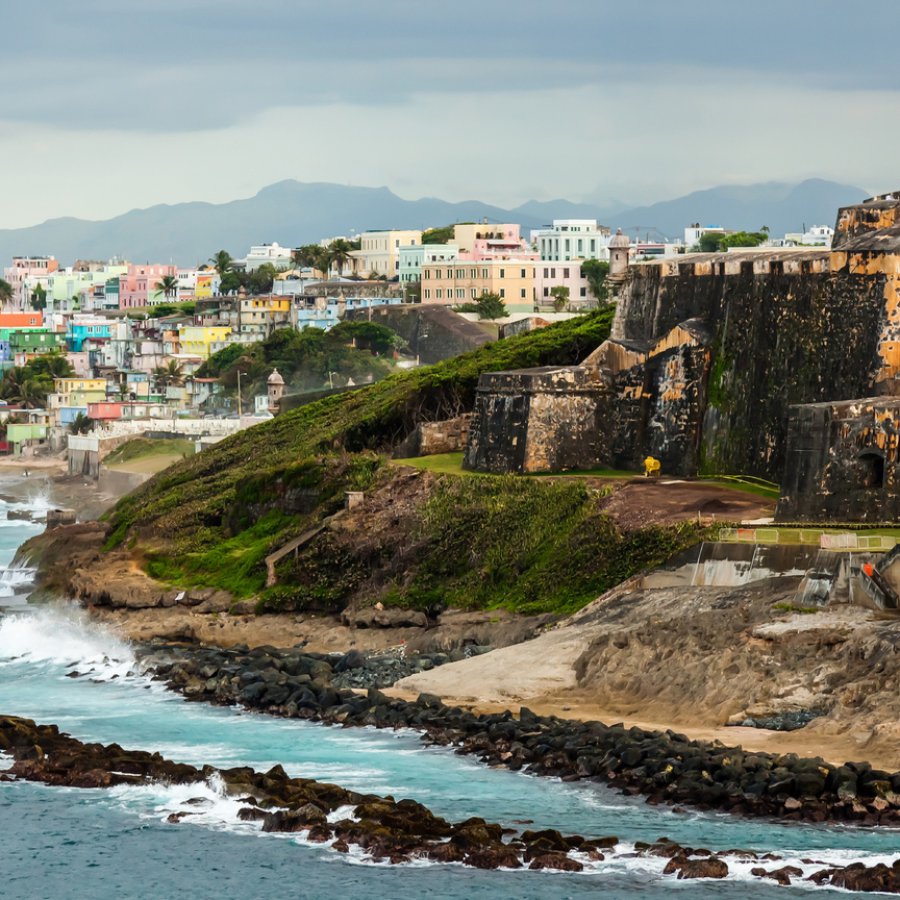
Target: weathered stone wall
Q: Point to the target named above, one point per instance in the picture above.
(777, 339)
(447, 436)
(433, 333)
(842, 462)
(540, 420)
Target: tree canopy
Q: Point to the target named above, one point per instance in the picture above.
(307, 359)
(595, 272)
(30, 384)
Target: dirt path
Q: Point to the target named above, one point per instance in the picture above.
(649, 501)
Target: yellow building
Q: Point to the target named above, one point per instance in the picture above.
(203, 340)
(379, 252)
(203, 289)
(464, 281)
(76, 392)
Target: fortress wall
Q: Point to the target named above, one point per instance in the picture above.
(776, 339)
(539, 420)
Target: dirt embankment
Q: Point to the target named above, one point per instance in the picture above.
(116, 591)
(699, 659)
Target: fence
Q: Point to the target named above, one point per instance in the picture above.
(813, 536)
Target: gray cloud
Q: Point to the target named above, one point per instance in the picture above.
(108, 105)
(207, 64)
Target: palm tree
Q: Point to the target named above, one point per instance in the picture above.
(339, 254)
(171, 373)
(222, 262)
(168, 284)
(308, 256)
(6, 292)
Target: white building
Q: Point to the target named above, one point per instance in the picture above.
(817, 236)
(278, 256)
(413, 256)
(694, 232)
(379, 252)
(572, 239)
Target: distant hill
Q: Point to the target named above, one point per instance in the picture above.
(781, 207)
(293, 213)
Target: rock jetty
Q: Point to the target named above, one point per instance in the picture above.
(382, 828)
(665, 767)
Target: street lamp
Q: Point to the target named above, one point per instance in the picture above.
(240, 406)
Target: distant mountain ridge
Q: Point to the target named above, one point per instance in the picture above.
(293, 213)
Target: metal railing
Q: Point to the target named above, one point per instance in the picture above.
(812, 536)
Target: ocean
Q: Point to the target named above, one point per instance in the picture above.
(62, 842)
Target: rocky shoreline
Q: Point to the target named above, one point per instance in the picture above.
(665, 767)
(382, 828)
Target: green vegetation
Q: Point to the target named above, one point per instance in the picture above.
(560, 295)
(715, 242)
(30, 384)
(791, 608)
(452, 464)
(302, 461)
(596, 271)
(185, 308)
(307, 359)
(6, 291)
(140, 448)
(488, 306)
(442, 235)
(482, 543)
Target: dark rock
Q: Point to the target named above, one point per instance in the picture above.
(696, 868)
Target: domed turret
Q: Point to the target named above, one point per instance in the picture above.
(619, 246)
(275, 384)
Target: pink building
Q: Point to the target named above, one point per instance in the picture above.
(548, 275)
(480, 240)
(25, 274)
(138, 286)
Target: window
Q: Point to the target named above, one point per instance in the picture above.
(546, 273)
(484, 273)
(473, 273)
(583, 292)
(522, 293)
(474, 293)
(565, 273)
(439, 294)
(566, 245)
(460, 273)
(427, 293)
(522, 275)
(503, 274)
(460, 293)
(502, 292)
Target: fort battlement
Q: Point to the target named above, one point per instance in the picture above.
(708, 353)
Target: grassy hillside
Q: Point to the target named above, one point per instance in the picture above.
(211, 519)
(190, 505)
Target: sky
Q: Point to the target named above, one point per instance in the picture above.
(109, 106)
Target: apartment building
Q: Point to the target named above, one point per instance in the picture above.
(379, 252)
(464, 281)
(568, 239)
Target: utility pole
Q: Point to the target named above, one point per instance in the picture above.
(240, 406)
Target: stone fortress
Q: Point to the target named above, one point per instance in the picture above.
(747, 362)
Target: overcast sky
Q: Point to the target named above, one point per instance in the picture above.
(107, 106)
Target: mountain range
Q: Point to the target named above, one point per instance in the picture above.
(292, 213)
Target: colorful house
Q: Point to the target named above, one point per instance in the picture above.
(203, 340)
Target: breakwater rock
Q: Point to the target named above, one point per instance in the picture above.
(382, 828)
(666, 767)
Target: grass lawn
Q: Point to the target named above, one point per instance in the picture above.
(143, 448)
(451, 464)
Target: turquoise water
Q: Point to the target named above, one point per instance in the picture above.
(113, 844)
